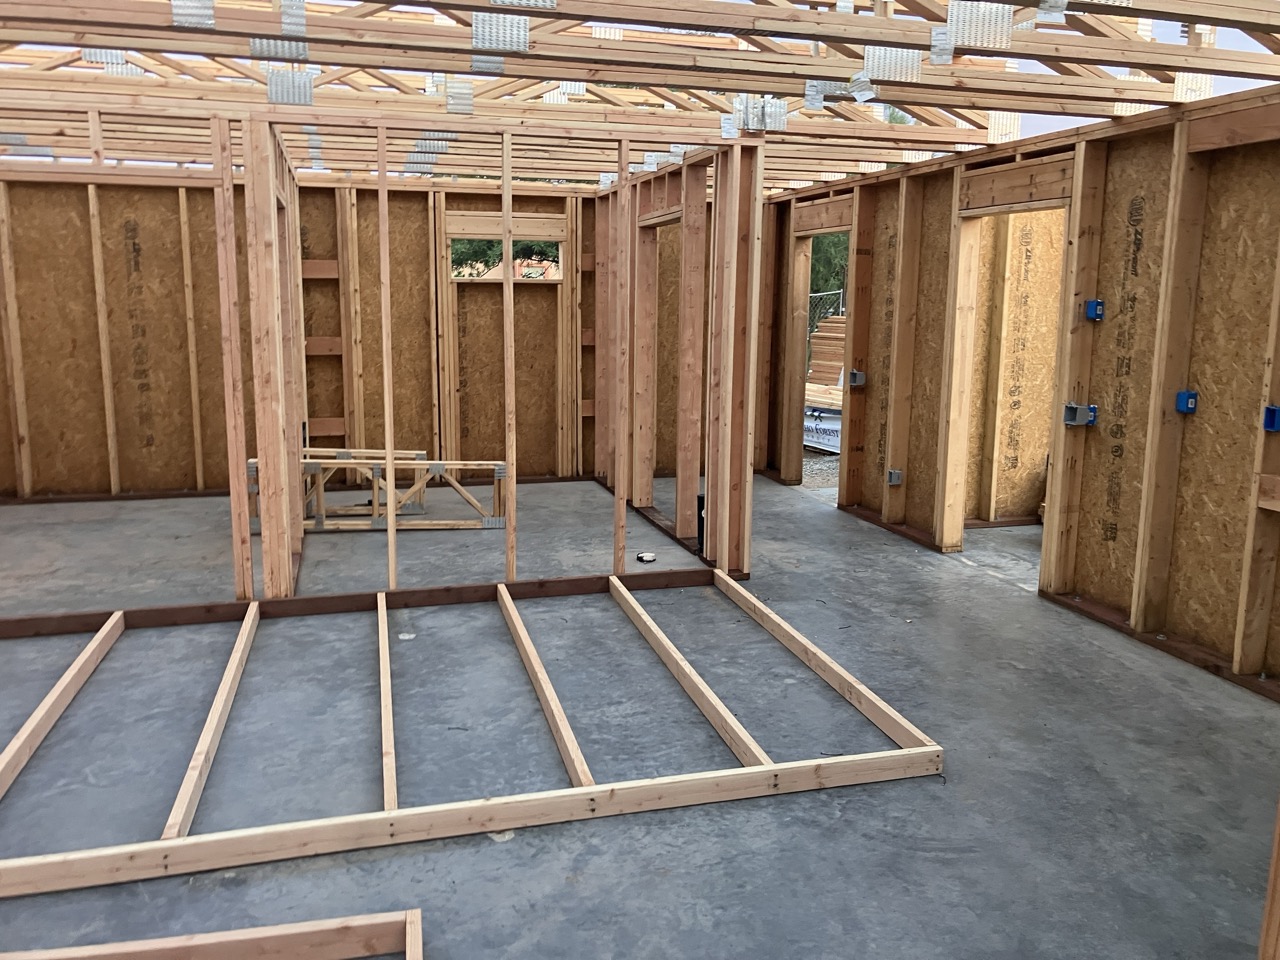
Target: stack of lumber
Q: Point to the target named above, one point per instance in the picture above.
(826, 365)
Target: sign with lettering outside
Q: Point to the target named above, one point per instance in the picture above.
(822, 429)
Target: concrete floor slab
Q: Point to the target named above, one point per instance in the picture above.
(630, 715)
(104, 555)
(303, 738)
(1100, 799)
(28, 670)
(467, 721)
(110, 768)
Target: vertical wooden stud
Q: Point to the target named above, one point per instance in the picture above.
(1075, 348)
(509, 355)
(388, 356)
(747, 333)
(232, 373)
(604, 328)
(1175, 313)
(794, 362)
(193, 366)
(104, 337)
(965, 256)
(693, 296)
(768, 314)
(857, 345)
(903, 347)
(349, 306)
(15, 375)
(644, 365)
(624, 226)
(724, 324)
(270, 407)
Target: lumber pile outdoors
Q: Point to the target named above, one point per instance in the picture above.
(823, 384)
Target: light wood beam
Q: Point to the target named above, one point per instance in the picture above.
(730, 728)
(184, 807)
(388, 356)
(965, 259)
(902, 350)
(692, 334)
(232, 372)
(14, 369)
(32, 733)
(509, 357)
(104, 338)
(857, 345)
(574, 762)
(1075, 349)
(1175, 314)
(193, 362)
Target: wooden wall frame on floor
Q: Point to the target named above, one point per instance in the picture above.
(348, 938)
(179, 853)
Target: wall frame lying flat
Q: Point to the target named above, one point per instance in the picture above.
(339, 938)
(177, 853)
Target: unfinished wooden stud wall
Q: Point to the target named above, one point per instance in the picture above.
(1159, 522)
(716, 328)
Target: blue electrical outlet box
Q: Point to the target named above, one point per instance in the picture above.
(1080, 415)
(1095, 310)
(1271, 419)
(1186, 401)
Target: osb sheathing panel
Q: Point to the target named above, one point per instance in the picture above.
(990, 276)
(884, 265)
(1137, 186)
(667, 372)
(321, 304)
(208, 313)
(480, 401)
(1030, 354)
(480, 397)
(1228, 341)
(412, 320)
(926, 382)
(53, 270)
(142, 254)
(537, 308)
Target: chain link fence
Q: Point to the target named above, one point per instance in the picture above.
(823, 305)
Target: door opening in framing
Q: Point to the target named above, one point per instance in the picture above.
(1012, 308)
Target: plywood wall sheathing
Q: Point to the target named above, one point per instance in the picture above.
(1033, 301)
(1237, 271)
(1137, 182)
(56, 319)
(984, 372)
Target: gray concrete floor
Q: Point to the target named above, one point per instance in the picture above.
(60, 557)
(1100, 799)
